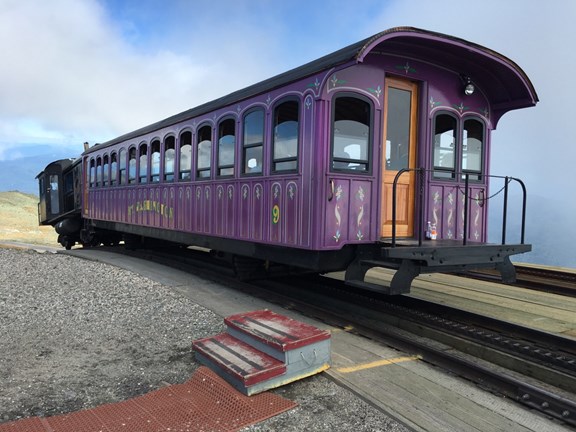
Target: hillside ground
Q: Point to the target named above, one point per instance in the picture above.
(19, 220)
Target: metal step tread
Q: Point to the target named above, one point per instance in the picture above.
(278, 332)
(237, 358)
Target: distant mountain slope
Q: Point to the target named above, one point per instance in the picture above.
(19, 220)
(20, 173)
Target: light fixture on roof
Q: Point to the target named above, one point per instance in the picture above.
(468, 86)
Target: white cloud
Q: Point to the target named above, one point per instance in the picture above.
(67, 73)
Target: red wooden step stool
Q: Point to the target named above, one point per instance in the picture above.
(261, 350)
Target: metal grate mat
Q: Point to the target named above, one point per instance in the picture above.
(204, 403)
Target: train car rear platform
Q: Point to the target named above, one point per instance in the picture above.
(414, 393)
(410, 257)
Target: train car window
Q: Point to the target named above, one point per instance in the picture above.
(92, 173)
(122, 166)
(472, 148)
(285, 141)
(253, 142)
(113, 169)
(106, 171)
(351, 134)
(143, 163)
(185, 155)
(204, 146)
(445, 133)
(169, 158)
(132, 165)
(226, 147)
(155, 161)
(398, 128)
(54, 195)
(98, 171)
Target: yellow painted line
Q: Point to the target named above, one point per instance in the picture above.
(346, 329)
(378, 363)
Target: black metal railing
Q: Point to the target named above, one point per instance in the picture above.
(421, 181)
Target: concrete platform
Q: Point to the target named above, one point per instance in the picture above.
(416, 394)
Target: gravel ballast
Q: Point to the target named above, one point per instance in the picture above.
(75, 334)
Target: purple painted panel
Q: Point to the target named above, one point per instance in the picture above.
(164, 208)
(188, 209)
(170, 215)
(117, 205)
(446, 210)
(359, 226)
(181, 208)
(443, 211)
(230, 212)
(220, 225)
(245, 213)
(198, 210)
(157, 208)
(291, 223)
(120, 205)
(276, 215)
(112, 198)
(97, 208)
(476, 215)
(207, 213)
(336, 226)
(258, 214)
(139, 214)
(96, 197)
(131, 206)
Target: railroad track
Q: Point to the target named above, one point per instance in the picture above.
(536, 369)
(551, 280)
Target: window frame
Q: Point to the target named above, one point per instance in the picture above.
(200, 171)
(92, 172)
(145, 175)
(282, 160)
(98, 171)
(474, 175)
(105, 170)
(440, 172)
(114, 168)
(122, 166)
(368, 162)
(155, 144)
(457, 172)
(253, 145)
(169, 144)
(182, 143)
(132, 175)
(227, 166)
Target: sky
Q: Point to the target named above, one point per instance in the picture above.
(90, 70)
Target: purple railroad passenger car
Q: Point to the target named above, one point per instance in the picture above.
(375, 155)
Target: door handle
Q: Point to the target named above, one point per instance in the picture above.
(331, 190)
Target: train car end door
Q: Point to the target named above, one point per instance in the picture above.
(400, 117)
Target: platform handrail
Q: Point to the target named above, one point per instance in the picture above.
(420, 201)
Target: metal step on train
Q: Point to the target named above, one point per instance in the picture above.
(261, 350)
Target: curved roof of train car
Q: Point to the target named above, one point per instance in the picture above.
(502, 80)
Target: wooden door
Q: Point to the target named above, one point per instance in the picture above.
(399, 152)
